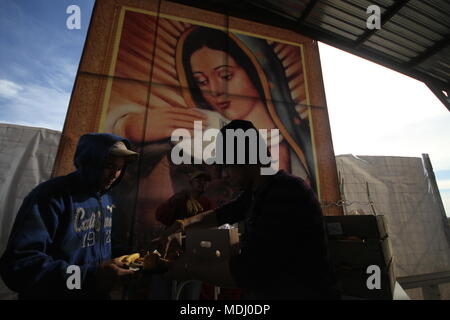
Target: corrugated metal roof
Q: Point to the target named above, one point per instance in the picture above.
(414, 38)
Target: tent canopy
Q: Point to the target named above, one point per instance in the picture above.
(414, 37)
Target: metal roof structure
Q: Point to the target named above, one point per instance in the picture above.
(414, 37)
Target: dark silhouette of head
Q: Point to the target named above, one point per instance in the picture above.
(242, 154)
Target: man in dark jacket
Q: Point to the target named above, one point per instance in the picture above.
(60, 244)
(283, 250)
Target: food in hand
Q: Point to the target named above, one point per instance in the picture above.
(132, 261)
(137, 264)
(130, 258)
(150, 261)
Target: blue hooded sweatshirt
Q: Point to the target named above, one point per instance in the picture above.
(63, 222)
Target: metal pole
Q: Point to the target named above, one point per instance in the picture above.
(432, 179)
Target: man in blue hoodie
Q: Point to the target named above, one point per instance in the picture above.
(60, 244)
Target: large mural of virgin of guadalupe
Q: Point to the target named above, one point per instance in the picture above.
(170, 72)
(240, 77)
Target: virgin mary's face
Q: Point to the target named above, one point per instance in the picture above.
(224, 83)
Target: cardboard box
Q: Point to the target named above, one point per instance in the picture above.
(359, 226)
(206, 257)
(368, 252)
(351, 261)
(211, 244)
(353, 283)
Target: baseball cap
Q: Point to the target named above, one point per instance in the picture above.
(119, 149)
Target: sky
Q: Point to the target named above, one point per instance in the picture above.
(376, 111)
(39, 58)
(373, 110)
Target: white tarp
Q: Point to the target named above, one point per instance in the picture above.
(400, 188)
(26, 159)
